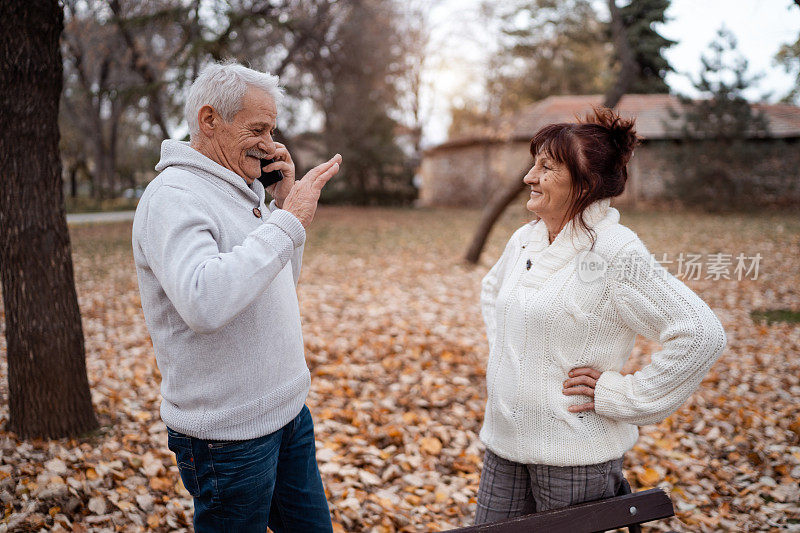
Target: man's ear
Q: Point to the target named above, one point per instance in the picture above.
(207, 119)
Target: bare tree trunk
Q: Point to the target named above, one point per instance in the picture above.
(501, 201)
(47, 383)
(491, 214)
(102, 168)
(116, 111)
(628, 66)
(93, 188)
(73, 180)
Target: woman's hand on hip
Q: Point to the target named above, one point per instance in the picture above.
(582, 381)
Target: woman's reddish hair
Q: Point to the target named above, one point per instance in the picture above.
(596, 151)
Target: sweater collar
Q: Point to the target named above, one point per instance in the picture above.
(181, 155)
(570, 241)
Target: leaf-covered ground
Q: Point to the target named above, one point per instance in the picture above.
(397, 351)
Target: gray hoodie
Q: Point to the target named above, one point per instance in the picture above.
(217, 285)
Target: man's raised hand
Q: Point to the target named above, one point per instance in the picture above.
(302, 199)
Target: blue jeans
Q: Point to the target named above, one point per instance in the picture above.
(243, 486)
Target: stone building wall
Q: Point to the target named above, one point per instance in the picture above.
(455, 177)
(648, 174)
(771, 176)
(469, 175)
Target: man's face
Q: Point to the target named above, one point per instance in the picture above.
(247, 138)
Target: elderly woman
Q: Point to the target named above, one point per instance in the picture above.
(562, 307)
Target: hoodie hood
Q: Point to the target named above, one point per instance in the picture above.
(181, 155)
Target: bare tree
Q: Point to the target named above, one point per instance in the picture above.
(138, 63)
(127, 64)
(48, 388)
(415, 36)
(356, 79)
(97, 91)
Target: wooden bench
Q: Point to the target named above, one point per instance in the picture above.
(628, 510)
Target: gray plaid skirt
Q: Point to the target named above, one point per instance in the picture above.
(508, 489)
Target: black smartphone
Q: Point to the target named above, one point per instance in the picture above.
(268, 178)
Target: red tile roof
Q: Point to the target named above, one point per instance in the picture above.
(654, 119)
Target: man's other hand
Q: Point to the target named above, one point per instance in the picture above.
(304, 195)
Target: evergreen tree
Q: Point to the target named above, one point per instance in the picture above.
(789, 57)
(717, 161)
(722, 112)
(647, 44)
(558, 47)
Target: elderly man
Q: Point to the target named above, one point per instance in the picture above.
(217, 272)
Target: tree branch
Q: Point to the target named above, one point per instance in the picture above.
(140, 65)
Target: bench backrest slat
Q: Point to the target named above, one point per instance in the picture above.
(600, 515)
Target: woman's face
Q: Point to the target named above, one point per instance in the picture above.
(551, 184)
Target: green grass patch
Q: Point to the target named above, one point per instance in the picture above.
(772, 316)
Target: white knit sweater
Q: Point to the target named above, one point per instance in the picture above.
(218, 286)
(543, 322)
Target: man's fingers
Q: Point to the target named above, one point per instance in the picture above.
(281, 153)
(319, 169)
(323, 178)
(277, 165)
(324, 167)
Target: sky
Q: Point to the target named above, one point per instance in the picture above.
(461, 43)
(760, 26)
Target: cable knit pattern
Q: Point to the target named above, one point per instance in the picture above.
(543, 322)
(217, 284)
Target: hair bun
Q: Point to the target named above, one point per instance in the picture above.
(621, 130)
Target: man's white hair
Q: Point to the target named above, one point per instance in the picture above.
(222, 86)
